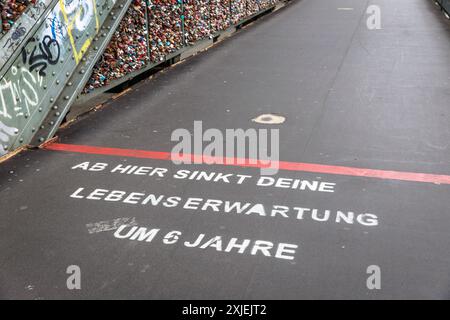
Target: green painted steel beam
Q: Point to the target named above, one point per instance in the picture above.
(23, 29)
(75, 83)
(41, 71)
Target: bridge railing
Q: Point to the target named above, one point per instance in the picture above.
(173, 26)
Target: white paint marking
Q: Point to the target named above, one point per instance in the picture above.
(110, 225)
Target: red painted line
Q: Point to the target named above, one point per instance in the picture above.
(282, 165)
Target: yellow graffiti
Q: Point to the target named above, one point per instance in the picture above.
(78, 55)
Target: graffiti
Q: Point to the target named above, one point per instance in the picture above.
(69, 20)
(5, 134)
(17, 34)
(22, 93)
(65, 27)
(32, 82)
(39, 9)
(56, 28)
(81, 11)
(78, 15)
(44, 57)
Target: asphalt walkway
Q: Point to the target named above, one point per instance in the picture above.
(370, 106)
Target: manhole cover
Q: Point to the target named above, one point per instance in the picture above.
(269, 119)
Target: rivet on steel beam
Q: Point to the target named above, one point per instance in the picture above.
(52, 100)
(69, 84)
(57, 114)
(41, 139)
(66, 98)
(57, 82)
(55, 108)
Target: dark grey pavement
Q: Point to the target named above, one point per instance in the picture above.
(351, 96)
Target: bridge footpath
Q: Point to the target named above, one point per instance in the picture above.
(366, 113)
